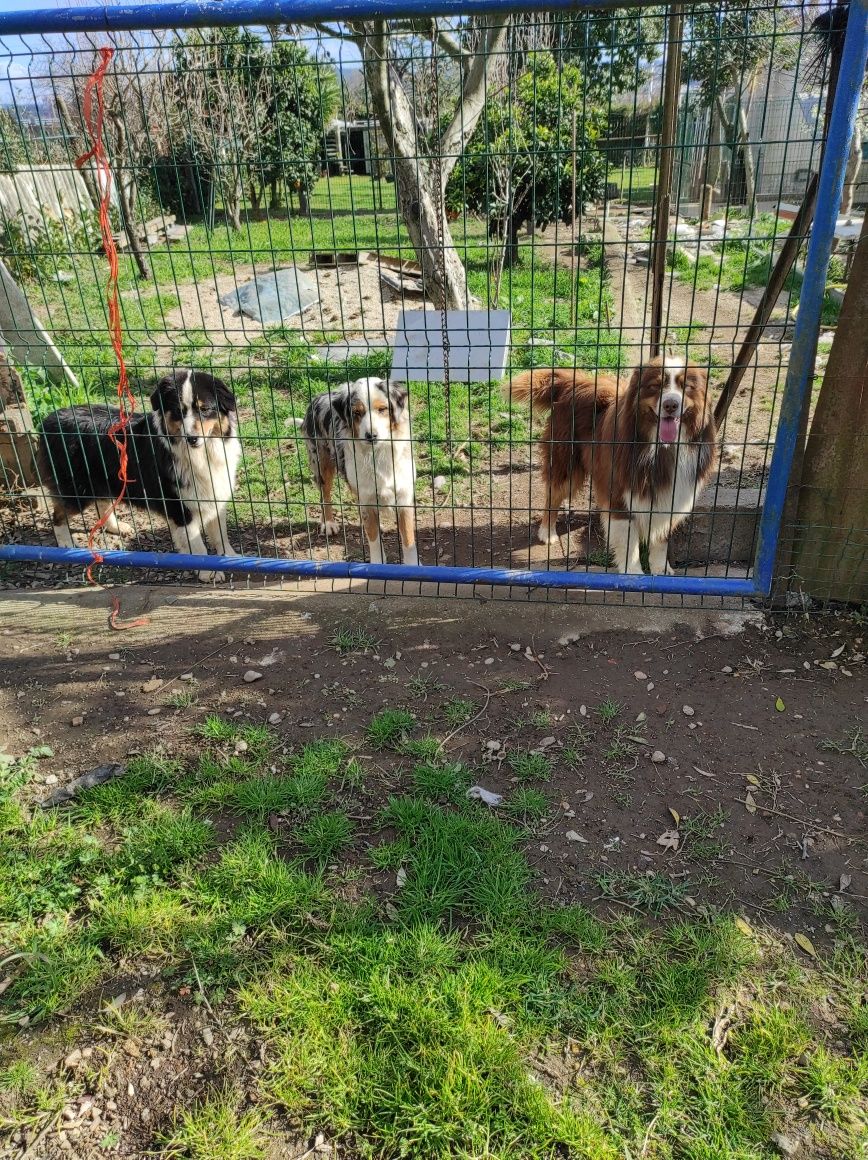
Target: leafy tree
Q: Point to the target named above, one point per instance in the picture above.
(729, 43)
(519, 164)
(302, 98)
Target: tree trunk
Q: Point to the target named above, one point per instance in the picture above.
(128, 220)
(232, 201)
(851, 173)
(420, 186)
(420, 202)
(276, 200)
(749, 166)
(831, 549)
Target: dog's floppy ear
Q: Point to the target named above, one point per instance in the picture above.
(225, 397)
(398, 395)
(162, 389)
(341, 403)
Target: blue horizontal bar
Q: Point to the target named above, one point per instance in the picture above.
(209, 13)
(427, 574)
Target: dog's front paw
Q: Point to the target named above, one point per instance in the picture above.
(329, 528)
(212, 577)
(547, 535)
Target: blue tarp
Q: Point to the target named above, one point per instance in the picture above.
(274, 297)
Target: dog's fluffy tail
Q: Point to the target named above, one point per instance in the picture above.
(545, 388)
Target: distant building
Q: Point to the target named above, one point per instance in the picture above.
(354, 147)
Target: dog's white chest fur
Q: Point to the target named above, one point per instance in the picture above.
(656, 515)
(206, 474)
(381, 473)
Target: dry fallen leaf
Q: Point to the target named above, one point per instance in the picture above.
(751, 779)
(779, 705)
(401, 877)
(838, 651)
(844, 882)
(744, 926)
(676, 817)
(750, 804)
(805, 943)
(669, 840)
(151, 686)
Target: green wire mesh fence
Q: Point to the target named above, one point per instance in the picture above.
(241, 153)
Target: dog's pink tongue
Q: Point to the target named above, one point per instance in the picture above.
(668, 430)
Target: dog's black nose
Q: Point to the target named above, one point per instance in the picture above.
(670, 406)
(372, 436)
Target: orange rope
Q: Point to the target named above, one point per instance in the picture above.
(94, 116)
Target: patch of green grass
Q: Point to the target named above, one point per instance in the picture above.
(608, 710)
(541, 718)
(389, 728)
(526, 805)
(459, 864)
(458, 710)
(653, 891)
(352, 638)
(700, 835)
(422, 748)
(422, 686)
(530, 766)
(217, 1130)
(441, 782)
(462, 1017)
(183, 698)
(854, 742)
(324, 836)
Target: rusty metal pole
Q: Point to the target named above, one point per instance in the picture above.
(668, 131)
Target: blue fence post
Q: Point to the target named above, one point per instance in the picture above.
(800, 370)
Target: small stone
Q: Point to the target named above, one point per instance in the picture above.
(515, 646)
(76, 721)
(73, 1059)
(784, 1144)
(69, 1113)
(114, 656)
(726, 669)
(572, 836)
(146, 1115)
(186, 677)
(640, 676)
(658, 756)
(51, 779)
(439, 482)
(131, 1091)
(207, 1036)
(241, 746)
(489, 660)
(252, 675)
(583, 710)
(155, 711)
(642, 717)
(274, 719)
(650, 686)
(687, 710)
(544, 849)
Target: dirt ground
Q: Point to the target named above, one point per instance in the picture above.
(733, 715)
(352, 299)
(684, 748)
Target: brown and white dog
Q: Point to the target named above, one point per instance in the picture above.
(361, 431)
(647, 449)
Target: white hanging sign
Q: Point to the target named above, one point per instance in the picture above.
(478, 345)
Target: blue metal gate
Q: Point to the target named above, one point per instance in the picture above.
(94, 21)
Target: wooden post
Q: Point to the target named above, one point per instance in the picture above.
(671, 91)
(830, 552)
(574, 268)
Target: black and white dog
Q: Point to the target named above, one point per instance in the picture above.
(361, 431)
(182, 461)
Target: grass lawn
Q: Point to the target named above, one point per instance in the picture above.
(452, 1013)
